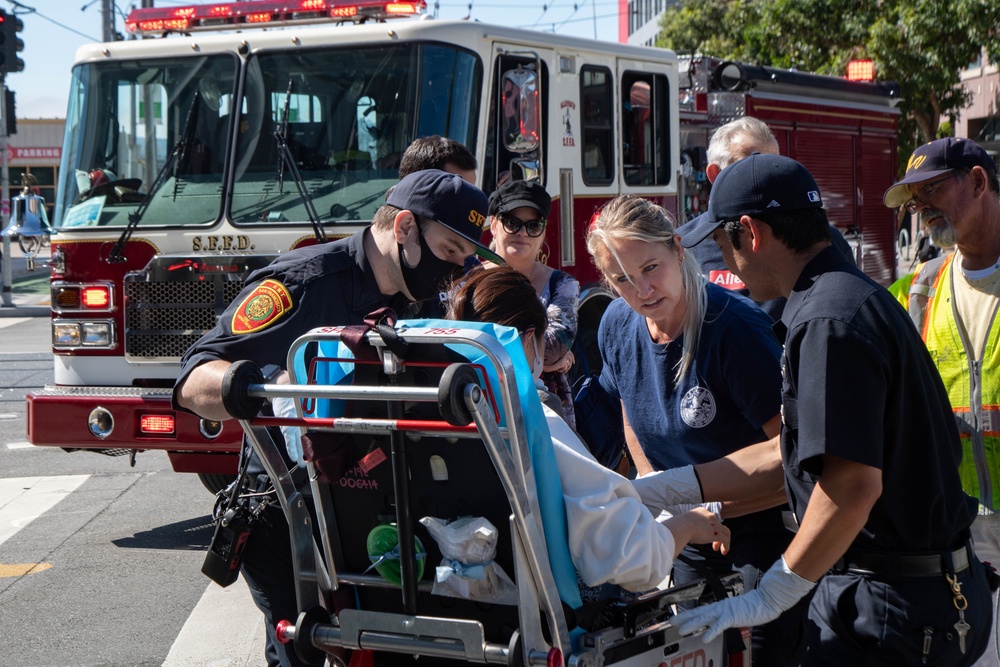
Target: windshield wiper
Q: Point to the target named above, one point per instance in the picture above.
(285, 157)
(176, 158)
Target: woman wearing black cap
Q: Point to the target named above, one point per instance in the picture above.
(518, 217)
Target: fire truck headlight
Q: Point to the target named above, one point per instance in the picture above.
(101, 423)
(83, 333)
(96, 334)
(65, 334)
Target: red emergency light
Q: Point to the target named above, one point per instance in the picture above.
(861, 70)
(156, 424)
(260, 13)
(96, 296)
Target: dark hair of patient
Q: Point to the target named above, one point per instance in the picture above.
(502, 296)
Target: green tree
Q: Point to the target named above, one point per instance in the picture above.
(921, 44)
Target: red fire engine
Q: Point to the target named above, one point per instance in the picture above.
(193, 159)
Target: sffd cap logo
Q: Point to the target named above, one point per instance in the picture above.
(476, 218)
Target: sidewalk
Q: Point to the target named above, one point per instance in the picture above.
(29, 289)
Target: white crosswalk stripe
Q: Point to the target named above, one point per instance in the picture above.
(224, 629)
(24, 499)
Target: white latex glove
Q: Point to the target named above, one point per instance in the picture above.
(668, 488)
(283, 406)
(778, 591)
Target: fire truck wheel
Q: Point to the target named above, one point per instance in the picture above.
(215, 482)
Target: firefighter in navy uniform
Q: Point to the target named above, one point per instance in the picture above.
(868, 449)
(431, 223)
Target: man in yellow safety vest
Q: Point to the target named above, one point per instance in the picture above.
(953, 302)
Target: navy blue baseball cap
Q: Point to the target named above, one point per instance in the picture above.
(447, 199)
(936, 158)
(756, 186)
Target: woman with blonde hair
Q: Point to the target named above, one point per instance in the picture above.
(613, 538)
(696, 368)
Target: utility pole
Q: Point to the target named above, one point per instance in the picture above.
(107, 20)
(8, 275)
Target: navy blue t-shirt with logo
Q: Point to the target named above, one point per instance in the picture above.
(731, 390)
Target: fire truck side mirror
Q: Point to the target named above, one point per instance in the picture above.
(729, 76)
(521, 106)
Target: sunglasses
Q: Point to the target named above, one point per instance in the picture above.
(512, 225)
(927, 192)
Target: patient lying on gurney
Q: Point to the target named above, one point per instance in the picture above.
(613, 538)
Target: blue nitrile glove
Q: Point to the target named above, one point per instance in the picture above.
(778, 591)
(283, 406)
(668, 488)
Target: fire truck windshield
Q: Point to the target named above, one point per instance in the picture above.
(351, 112)
(125, 119)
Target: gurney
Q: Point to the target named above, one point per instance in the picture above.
(432, 421)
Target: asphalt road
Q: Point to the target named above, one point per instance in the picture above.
(100, 562)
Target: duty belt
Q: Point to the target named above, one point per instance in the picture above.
(903, 566)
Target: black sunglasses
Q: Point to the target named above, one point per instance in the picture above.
(512, 225)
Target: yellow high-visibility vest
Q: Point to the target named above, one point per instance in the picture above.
(973, 386)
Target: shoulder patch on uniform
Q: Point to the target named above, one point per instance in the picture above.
(262, 307)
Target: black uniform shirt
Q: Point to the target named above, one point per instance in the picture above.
(859, 384)
(330, 284)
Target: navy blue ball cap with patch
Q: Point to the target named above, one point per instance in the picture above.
(937, 158)
(447, 199)
(756, 186)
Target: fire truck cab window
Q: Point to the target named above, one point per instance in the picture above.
(125, 121)
(597, 129)
(645, 129)
(176, 126)
(350, 115)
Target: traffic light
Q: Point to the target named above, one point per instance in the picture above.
(10, 43)
(10, 113)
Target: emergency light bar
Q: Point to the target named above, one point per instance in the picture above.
(265, 13)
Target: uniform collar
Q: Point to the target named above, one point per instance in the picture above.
(829, 259)
(367, 297)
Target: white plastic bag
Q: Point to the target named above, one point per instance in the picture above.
(468, 545)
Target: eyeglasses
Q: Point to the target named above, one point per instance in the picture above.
(927, 192)
(512, 225)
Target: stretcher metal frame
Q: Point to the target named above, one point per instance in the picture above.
(641, 626)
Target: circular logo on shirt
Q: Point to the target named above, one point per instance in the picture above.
(259, 308)
(698, 407)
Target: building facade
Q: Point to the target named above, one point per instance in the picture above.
(980, 121)
(36, 149)
(639, 20)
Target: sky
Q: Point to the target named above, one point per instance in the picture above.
(54, 29)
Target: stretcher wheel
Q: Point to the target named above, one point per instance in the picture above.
(236, 389)
(304, 625)
(451, 393)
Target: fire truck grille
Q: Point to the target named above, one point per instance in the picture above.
(163, 319)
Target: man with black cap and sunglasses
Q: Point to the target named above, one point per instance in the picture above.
(431, 222)
(953, 301)
(519, 213)
(868, 449)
